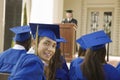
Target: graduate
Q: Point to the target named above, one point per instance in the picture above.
(31, 66)
(22, 39)
(80, 58)
(57, 68)
(94, 66)
(77, 61)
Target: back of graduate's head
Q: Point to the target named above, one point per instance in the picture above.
(22, 36)
(94, 43)
(81, 52)
(96, 55)
(26, 43)
(45, 36)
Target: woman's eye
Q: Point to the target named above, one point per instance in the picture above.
(46, 43)
(54, 46)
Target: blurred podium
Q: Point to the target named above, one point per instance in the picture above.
(68, 49)
(4, 76)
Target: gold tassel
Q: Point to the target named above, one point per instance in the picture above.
(36, 42)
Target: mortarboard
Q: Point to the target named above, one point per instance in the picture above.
(22, 33)
(60, 40)
(46, 30)
(69, 11)
(94, 40)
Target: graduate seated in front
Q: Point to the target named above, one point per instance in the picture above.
(77, 61)
(57, 68)
(22, 39)
(31, 66)
(80, 58)
(94, 65)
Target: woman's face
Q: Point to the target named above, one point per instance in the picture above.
(46, 48)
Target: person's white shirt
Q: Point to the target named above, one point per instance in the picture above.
(31, 51)
(18, 47)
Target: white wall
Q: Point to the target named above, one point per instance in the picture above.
(42, 11)
(46, 11)
(58, 11)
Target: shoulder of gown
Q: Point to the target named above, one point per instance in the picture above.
(76, 73)
(9, 58)
(62, 73)
(29, 67)
(76, 62)
(111, 72)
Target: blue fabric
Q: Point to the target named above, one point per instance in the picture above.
(9, 58)
(22, 33)
(45, 30)
(110, 73)
(76, 62)
(94, 39)
(61, 40)
(76, 73)
(29, 67)
(22, 37)
(62, 73)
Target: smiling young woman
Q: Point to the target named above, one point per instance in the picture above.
(31, 66)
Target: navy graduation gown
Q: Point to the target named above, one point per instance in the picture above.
(62, 73)
(76, 62)
(29, 67)
(9, 58)
(110, 73)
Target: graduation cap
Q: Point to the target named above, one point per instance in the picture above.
(69, 11)
(45, 30)
(61, 40)
(22, 33)
(94, 40)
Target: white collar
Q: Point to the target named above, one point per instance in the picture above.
(31, 51)
(69, 19)
(19, 47)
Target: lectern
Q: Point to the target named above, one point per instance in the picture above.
(68, 49)
(4, 76)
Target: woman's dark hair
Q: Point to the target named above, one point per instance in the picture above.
(81, 52)
(54, 64)
(92, 66)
